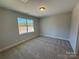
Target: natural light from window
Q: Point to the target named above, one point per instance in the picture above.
(25, 25)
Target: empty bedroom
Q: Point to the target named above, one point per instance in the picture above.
(39, 29)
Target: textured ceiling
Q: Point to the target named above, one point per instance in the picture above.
(32, 6)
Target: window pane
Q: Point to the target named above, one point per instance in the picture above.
(22, 25)
(30, 25)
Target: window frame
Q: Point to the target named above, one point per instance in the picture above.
(26, 26)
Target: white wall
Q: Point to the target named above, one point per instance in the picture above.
(9, 34)
(74, 28)
(57, 26)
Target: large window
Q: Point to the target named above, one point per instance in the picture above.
(25, 25)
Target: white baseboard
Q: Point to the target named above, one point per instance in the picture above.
(10, 46)
(55, 37)
(15, 44)
(74, 53)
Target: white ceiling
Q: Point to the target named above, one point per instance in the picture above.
(32, 6)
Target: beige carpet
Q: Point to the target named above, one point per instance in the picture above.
(40, 48)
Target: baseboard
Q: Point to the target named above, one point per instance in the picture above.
(74, 53)
(15, 44)
(11, 46)
(55, 37)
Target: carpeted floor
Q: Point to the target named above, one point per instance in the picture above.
(40, 48)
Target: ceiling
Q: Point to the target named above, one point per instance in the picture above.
(31, 7)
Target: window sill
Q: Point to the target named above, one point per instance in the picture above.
(26, 33)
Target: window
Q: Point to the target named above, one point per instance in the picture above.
(30, 25)
(25, 25)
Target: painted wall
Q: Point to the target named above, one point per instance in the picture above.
(9, 33)
(57, 26)
(77, 48)
(74, 28)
